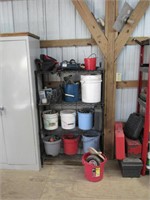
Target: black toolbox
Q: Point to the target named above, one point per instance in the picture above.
(131, 167)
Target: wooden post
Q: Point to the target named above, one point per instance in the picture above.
(110, 79)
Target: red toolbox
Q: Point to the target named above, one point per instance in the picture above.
(119, 144)
(133, 148)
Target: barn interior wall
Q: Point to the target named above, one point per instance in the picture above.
(58, 19)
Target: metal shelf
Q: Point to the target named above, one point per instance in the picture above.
(60, 131)
(40, 77)
(71, 105)
(81, 71)
(63, 159)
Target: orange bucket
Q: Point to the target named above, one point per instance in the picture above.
(90, 62)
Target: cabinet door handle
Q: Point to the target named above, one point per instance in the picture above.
(1, 108)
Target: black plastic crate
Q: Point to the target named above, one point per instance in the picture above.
(131, 167)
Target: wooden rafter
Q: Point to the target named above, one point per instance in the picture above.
(92, 25)
(128, 29)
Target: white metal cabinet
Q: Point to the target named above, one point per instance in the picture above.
(3, 158)
(19, 128)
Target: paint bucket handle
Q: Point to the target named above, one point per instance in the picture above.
(92, 54)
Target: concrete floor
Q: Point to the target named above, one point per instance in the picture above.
(59, 181)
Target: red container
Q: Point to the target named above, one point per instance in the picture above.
(70, 144)
(119, 144)
(90, 63)
(91, 172)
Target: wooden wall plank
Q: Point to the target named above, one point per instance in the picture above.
(67, 43)
(128, 29)
(129, 84)
(82, 42)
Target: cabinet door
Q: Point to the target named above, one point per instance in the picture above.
(3, 158)
(16, 99)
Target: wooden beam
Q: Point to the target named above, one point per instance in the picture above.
(110, 79)
(81, 42)
(131, 40)
(128, 29)
(67, 43)
(92, 25)
(129, 84)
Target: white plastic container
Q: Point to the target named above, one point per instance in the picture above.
(50, 120)
(91, 88)
(68, 119)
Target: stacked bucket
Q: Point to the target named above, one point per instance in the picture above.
(90, 93)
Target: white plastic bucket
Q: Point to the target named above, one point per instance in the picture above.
(50, 120)
(68, 119)
(91, 88)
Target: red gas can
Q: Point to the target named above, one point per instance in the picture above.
(119, 144)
